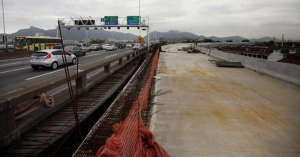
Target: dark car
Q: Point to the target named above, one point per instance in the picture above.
(57, 47)
(121, 46)
(75, 50)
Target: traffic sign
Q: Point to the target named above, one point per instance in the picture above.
(111, 20)
(102, 19)
(140, 39)
(133, 20)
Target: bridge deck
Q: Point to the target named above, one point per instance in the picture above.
(48, 133)
(214, 111)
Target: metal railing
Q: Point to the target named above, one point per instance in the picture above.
(10, 100)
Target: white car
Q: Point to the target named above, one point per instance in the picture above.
(104, 46)
(136, 47)
(8, 46)
(50, 58)
(111, 47)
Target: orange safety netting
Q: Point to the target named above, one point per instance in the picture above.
(131, 138)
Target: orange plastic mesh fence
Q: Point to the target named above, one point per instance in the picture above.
(131, 138)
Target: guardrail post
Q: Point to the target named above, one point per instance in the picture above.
(81, 82)
(121, 61)
(128, 57)
(107, 68)
(7, 125)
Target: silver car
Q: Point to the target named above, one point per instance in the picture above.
(75, 50)
(50, 58)
(128, 46)
(136, 47)
(111, 47)
(95, 47)
(83, 47)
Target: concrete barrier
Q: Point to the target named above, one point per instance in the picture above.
(14, 54)
(284, 71)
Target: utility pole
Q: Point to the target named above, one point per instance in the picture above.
(124, 37)
(149, 29)
(282, 40)
(4, 35)
(140, 17)
(57, 32)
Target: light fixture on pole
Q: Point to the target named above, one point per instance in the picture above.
(140, 17)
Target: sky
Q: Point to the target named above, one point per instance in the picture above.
(246, 18)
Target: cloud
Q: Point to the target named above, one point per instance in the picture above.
(248, 18)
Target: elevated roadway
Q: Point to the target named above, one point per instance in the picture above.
(16, 73)
(214, 111)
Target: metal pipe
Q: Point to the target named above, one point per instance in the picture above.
(148, 30)
(140, 17)
(4, 35)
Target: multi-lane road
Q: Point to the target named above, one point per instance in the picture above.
(17, 73)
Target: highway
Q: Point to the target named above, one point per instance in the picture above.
(16, 73)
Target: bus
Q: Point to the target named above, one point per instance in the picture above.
(31, 43)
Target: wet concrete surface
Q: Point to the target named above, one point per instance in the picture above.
(215, 111)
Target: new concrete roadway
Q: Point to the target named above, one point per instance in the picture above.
(16, 73)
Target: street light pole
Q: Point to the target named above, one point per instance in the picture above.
(5, 41)
(140, 17)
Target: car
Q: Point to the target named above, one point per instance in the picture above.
(104, 46)
(50, 58)
(111, 47)
(57, 47)
(75, 50)
(128, 46)
(136, 47)
(121, 46)
(95, 47)
(83, 47)
(8, 46)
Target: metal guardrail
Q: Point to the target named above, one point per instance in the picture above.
(9, 100)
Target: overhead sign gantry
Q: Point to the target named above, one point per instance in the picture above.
(106, 22)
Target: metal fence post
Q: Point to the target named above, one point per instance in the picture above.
(107, 68)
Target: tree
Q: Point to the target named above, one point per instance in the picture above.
(270, 43)
(208, 40)
(97, 41)
(229, 40)
(245, 40)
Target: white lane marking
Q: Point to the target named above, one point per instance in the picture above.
(93, 55)
(94, 74)
(10, 64)
(48, 73)
(61, 90)
(15, 59)
(110, 55)
(13, 70)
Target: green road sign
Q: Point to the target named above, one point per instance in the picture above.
(133, 20)
(111, 20)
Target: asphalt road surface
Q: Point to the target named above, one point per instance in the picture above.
(17, 73)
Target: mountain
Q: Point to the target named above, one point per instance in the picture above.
(173, 35)
(73, 34)
(81, 34)
(262, 39)
(186, 35)
(233, 38)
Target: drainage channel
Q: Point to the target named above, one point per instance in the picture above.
(55, 135)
